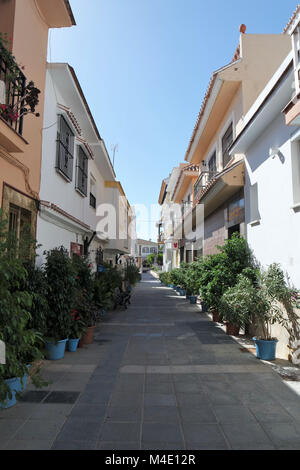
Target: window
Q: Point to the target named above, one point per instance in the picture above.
(20, 227)
(93, 201)
(65, 149)
(212, 165)
(82, 172)
(189, 256)
(153, 250)
(226, 143)
(145, 250)
(254, 211)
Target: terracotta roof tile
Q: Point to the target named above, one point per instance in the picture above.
(292, 18)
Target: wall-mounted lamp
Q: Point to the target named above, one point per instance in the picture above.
(275, 152)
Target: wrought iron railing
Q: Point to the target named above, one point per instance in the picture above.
(12, 91)
(204, 178)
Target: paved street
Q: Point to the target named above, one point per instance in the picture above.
(160, 375)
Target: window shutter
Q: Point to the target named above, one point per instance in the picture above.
(65, 149)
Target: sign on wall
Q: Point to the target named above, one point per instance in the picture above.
(175, 245)
(76, 249)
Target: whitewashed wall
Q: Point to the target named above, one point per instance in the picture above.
(277, 237)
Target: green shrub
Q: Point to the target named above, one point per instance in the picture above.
(105, 285)
(61, 287)
(165, 278)
(16, 332)
(132, 274)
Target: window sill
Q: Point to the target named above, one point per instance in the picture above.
(254, 223)
(80, 192)
(296, 207)
(65, 177)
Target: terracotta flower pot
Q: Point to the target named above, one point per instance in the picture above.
(232, 330)
(87, 338)
(216, 316)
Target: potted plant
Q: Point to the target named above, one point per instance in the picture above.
(89, 314)
(272, 290)
(60, 277)
(78, 328)
(18, 335)
(237, 304)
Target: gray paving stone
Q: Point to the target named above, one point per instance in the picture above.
(191, 399)
(35, 444)
(99, 397)
(51, 410)
(163, 387)
(38, 430)
(123, 445)
(19, 411)
(161, 432)
(270, 413)
(159, 399)
(284, 434)
(197, 414)
(162, 446)
(74, 445)
(227, 414)
(204, 436)
(88, 412)
(76, 429)
(243, 433)
(126, 399)
(187, 387)
(124, 413)
(120, 432)
(161, 414)
(8, 427)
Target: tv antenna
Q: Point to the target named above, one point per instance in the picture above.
(114, 148)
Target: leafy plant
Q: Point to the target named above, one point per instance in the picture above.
(60, 276)
(132, 274)
(105, 285)
(78, 325)
(272, 289)
(16, 328)
(87, 312)
(238, 302)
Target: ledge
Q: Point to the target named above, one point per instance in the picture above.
(10, 139)
(254, 223)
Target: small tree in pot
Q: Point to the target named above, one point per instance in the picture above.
(237, 304)
(60, 276)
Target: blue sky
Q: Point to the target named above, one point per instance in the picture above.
(144, 66)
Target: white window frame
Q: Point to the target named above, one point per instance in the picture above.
(230, 119)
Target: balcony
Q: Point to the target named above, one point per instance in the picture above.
(204, 178)
(12, 90)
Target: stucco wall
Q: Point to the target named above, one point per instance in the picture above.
(276, 237)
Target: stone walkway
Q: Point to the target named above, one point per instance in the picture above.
(160, 375)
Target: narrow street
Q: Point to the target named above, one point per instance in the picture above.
(160, 375)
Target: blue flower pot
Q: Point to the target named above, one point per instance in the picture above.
(73, 344)
(182, 292)
(193, 299)
(56, 351)
(15, 386)
(265, 350)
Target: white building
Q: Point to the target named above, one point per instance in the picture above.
(77, 177)
(270, 142)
